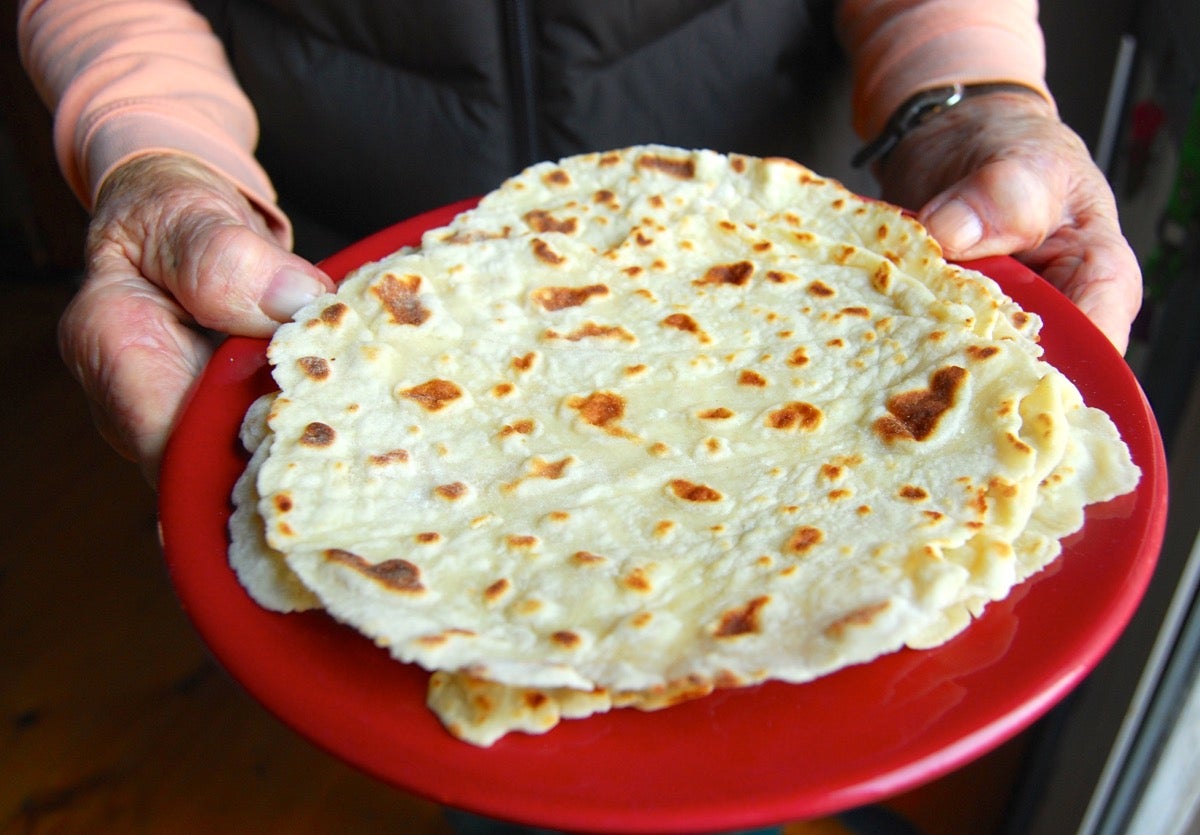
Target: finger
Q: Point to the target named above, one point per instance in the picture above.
(1004, 207)
(135, 359)
(1097, 270)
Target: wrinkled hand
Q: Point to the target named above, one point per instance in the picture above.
(1002, 175)
(175, 256)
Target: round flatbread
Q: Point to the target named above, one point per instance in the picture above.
(658, 421)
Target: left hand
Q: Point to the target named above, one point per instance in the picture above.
(1003, 175)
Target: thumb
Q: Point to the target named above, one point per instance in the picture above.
(1004, 207)
(235, 280)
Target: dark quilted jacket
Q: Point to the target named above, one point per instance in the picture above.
(373, 110)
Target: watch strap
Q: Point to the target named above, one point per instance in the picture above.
(925, 104)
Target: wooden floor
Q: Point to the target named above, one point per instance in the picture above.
(115, 718)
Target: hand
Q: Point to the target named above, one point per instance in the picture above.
(1002, 175)
(175, 256)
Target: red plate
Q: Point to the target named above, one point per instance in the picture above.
(738, 758)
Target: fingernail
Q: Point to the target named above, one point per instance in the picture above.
(955, 226)
(289, 290)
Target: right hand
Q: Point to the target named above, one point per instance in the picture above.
(176, 256)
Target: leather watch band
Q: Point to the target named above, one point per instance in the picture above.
(922, 106)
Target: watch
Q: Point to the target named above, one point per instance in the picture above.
(922, 106)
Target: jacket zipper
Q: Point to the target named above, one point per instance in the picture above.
(522, 88)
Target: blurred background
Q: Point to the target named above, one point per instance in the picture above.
(115, 719)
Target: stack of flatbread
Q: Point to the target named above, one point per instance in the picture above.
(653, 422)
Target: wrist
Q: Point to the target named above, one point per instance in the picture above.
(936, 102)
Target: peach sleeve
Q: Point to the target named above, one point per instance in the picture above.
(130, 77)
(899, 47)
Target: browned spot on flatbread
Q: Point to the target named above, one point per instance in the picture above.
(524, 362)
(803, 540)
(560, 298)
(832, 471)
(399, 298)
(1017, 444)
(318, 434)
(546, 253)
(517, 427)
(734, 275)
(497, 590)
(796, 415)
(781, 277)
(821, 289)
(428, 537)
(881, 279)
(557, 177)
(601, 409)
(566, 639)
(592, 330)
(587, 558)
(451, 492)
(685, 323)
(982, 352)
(637, 580)
(798, 357)
(680, 169)
(690, 492)
(541, 468)
(719, 413)
(433, 395)
(913, 493)
(334, 314)
(440, 638)
(283, 502)
(392, 456)
(315, 368)
(469, 236)
(744, 620)
(540, 220)
(395, 574)
(860, 617)
(914, 415)
(553, 470)
(534, 699)
(751, 378)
